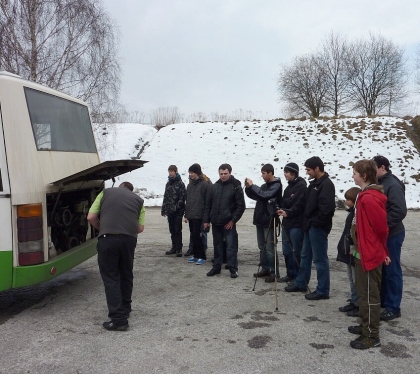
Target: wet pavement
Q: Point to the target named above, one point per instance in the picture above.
(186, 322)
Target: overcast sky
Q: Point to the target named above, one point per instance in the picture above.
(224, 55)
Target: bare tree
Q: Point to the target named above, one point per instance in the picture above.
(69, 45)
(376, 74)
(333, 55)
(303, 85)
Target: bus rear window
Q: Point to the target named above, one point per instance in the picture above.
(59, 124)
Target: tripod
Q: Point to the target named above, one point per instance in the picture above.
(272, 227)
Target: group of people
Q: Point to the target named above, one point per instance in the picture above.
(370, 244)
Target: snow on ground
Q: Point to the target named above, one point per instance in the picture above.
(248, 145)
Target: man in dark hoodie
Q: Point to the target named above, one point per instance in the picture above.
(173, 207)
(224, 208)
(392, 278)
(319, 210)
(264, 219)
(197, 191)
(293, 207)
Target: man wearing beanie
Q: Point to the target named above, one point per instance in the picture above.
(293, 207)
(197, 191)
(317, 224)
(392, 278)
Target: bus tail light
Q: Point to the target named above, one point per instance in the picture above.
(30, 234)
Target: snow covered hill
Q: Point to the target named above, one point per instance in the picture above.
(249, 145)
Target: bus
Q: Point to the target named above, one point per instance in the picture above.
(50, 173)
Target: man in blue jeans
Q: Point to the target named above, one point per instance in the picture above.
(293, 208)
(225, 206)
(319, 210)
(392, 278)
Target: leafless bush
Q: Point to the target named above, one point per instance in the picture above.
(162, 117)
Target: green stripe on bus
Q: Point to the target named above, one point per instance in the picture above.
(29, 275)
(6, 264)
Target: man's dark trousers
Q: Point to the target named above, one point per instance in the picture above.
(230, 237)
(195, 230)
(115, 260)
(175, 228)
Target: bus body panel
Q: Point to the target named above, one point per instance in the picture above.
(41, 144)
(29, 275)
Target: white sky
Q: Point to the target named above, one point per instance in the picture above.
(224, 55)
(246, 146)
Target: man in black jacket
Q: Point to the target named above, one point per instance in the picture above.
(293, 208)
(197, 191)
(173, 207)
(224, 208)
(319, 210)
(268, 197)
(392, 278)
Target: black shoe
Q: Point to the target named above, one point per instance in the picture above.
(188, 253)
(233, 274)
(272, 279)
(262, 274)
(354, 312)
(316, 296)
(347, 308)
(294, 288)
(363, 342)
(179, 253)
(110, 326)
(171, 252)
(357, 330)
(286, 279)
(213, 272)
(386, 315)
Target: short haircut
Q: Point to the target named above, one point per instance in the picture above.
(367, 169)
(268, 168)
(352, 193)
(381, 161)
(314, 162)
(226, 166)
(173, 168)
(127, 185)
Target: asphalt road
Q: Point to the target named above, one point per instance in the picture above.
(185, 322)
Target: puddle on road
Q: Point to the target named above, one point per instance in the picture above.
(395, 350)
(259, 341)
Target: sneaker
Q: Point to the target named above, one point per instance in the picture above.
(262, 274)
(188, 253)
(286, 279)
(200, 261)
(357, 330)
(171, 252)
(111, 326)
(192, 259)
(213, 272)
(272, 279)
(387, 315)
(293, 288)
(316, 296)
(354, 312)
(364, 342)
(233, 274)
(347, 308)
(179, 253)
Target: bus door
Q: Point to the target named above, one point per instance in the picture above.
(6, 242)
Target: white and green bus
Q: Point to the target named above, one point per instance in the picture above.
(50, 173)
